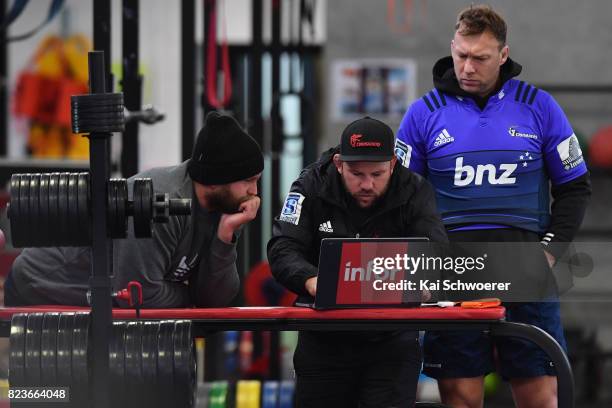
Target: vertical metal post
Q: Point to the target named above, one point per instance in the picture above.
(132, 86)
(277, 122)
(3, 84)
(102, 36)
(207, 9)
(276, 150)
(255, 124)
(188, 77)
(100, 284)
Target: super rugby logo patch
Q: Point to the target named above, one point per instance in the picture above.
(403, 152)
(292, 208)
(570, 152)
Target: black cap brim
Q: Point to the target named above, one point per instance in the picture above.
(365, 158)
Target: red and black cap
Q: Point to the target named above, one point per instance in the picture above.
(367, 139)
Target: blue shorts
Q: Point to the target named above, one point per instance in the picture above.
(462, 354)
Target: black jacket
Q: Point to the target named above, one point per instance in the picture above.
(408, 209)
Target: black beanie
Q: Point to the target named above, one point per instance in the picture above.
(224, 153)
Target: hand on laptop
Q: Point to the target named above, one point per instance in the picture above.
(426, 295)
(311, 286)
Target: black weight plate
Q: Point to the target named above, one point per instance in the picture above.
(111, 209)
(81, 208)
(53, 206)
(43, 208)
(184, 365)
(107, 116)
(147, 195)
(93, 100)
(24, 208)
(122, 200)
(80, 361)
(15, 211)
(17, 350)
(32, 349)
(76, 235)
(97, 128)
(165, 364)
(48, 349)
(150, 332)
(117, 365)
(63, 233)
(117, 233)
(143, 207)
(133, 362)
(80, 341)
(83, 193)
(137, 217)
(64, 349)
(103, 117)
(34, 221)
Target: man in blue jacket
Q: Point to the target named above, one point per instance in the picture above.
(494, 147)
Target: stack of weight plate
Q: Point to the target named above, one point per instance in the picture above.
(152, 364)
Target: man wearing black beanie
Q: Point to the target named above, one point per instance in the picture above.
(225, 167)
(189, 261)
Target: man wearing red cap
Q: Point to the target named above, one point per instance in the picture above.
(189, 261)
(354, 190)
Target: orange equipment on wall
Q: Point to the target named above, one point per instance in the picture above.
(56, 71)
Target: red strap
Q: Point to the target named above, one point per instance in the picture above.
(211, 64)
(405, 25)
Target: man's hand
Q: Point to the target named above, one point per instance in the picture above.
(550, 258)
(425, 295)
(229, 223)
(311, 286)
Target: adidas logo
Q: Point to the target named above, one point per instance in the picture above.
(326, 227)
(443, 138)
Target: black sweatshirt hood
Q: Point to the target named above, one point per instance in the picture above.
(444, 78)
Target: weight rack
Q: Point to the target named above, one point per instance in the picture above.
(100, 283)
(89, 209)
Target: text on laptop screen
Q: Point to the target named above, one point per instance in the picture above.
(362, 278)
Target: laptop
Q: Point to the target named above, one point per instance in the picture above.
(368, 273)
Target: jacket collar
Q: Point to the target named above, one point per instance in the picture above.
(444, 78)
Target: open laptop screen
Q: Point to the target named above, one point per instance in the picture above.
(363, 272)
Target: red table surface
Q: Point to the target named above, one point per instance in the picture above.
(226, 313)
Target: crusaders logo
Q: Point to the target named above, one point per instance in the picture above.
(356, 141)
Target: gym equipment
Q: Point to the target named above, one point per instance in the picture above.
(117, 364)
(248, 393)
(218, 395)
(286, 394)
(78, 209)
(53, 209)
(151, 363)
(269, 395)
(184, 364)
(17, 350)
(296, 318)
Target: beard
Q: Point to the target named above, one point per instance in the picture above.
(223, 201)
(373, 196)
